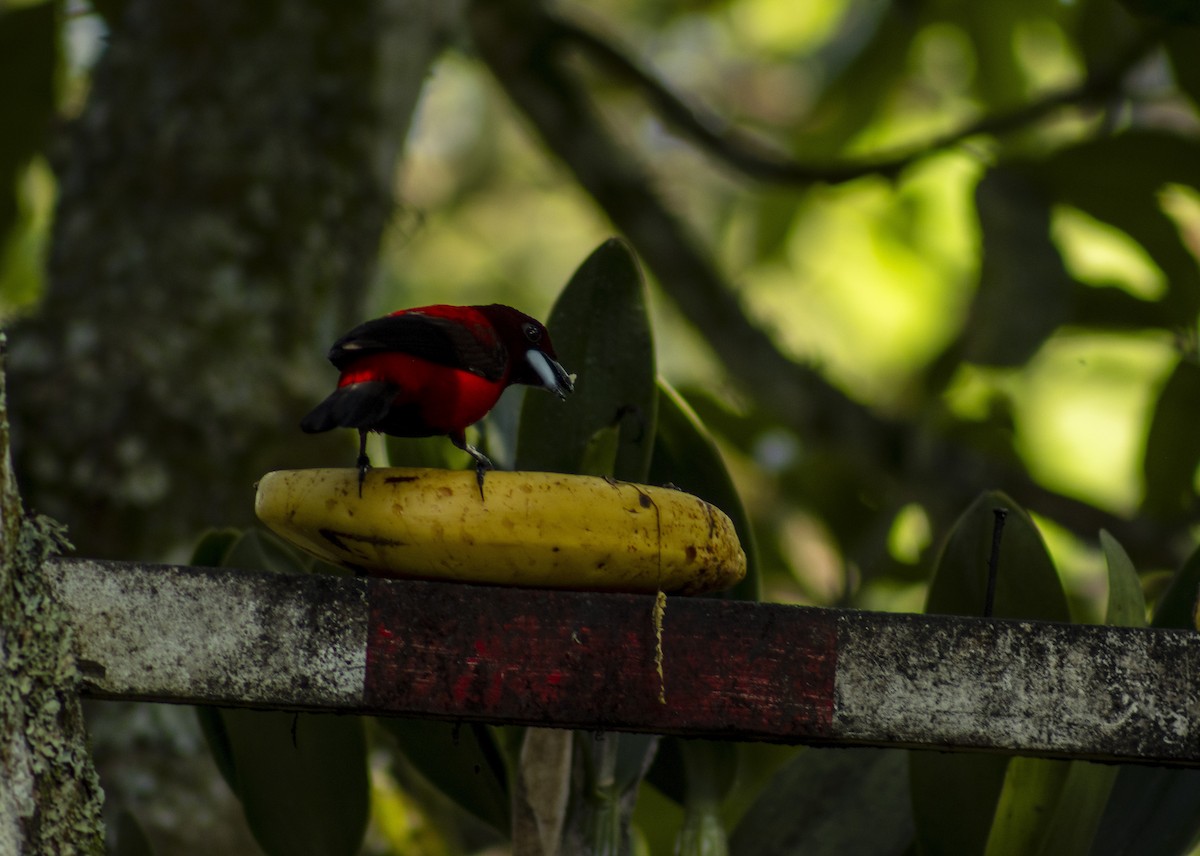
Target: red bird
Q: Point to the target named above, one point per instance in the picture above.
(434, 370)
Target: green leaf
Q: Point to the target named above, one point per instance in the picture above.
(711, 768)
(830, 802)
(1126, 603)
(1024, 289)
(715, 762)
(613, 768)
(1154, 811)
(461, 761)
(1027, 583)
(1173, 444)
(301, 779)
(213, 546)
(1085, 793)
(28, 63)
(860, 85)
(1151, 812)
(773, 214)
(259, 550)
(1117, 180)
(601, 331)
(1177, 606)
(1076, 792)
(1183, 49)
(955, 797)
(600, 454)
(993, 30)
(212, 726)
(1032, 787)
(686, 456)
(1183, 12)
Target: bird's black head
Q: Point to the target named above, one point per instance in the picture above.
(534, 361)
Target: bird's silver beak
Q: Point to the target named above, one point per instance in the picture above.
(554, 377)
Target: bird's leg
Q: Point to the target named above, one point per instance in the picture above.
(482, 464)
(363, 463)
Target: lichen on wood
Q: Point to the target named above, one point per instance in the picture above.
(50, 796)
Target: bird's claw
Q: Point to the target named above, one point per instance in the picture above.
(482, 465)
(363, 463)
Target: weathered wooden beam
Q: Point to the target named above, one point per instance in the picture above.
(581, 660)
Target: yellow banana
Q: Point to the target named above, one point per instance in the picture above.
(531, 529)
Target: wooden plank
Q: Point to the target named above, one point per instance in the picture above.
(1067, 689)
(588, 661)
(582, 660)
(180, 634)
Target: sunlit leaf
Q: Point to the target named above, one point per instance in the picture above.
(1117, 180)
(1032, 788)
(1173, 443)
(601, 332)
(991, 30)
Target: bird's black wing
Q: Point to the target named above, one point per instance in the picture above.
(445, 341)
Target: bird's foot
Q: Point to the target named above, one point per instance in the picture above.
(482, 465)
(363, 464)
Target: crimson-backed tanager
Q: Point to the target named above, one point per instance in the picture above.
(434, 370)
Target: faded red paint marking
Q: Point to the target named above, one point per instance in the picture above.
(462, 687)
(587, 660)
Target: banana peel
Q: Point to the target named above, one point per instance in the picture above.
(530, 529)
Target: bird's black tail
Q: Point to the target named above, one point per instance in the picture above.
(358, 405)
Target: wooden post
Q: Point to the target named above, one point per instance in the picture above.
(50, 797)
(587, 661)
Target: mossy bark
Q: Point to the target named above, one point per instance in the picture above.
(50, 796)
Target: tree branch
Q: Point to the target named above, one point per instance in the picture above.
(755, 159)
(520, 45)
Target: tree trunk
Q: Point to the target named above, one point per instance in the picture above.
(221, 201)
(50, 796)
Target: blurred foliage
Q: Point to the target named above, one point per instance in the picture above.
(967, 231)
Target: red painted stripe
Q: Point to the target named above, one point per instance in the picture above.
(583, 660)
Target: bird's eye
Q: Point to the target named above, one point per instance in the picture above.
(533, 333)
